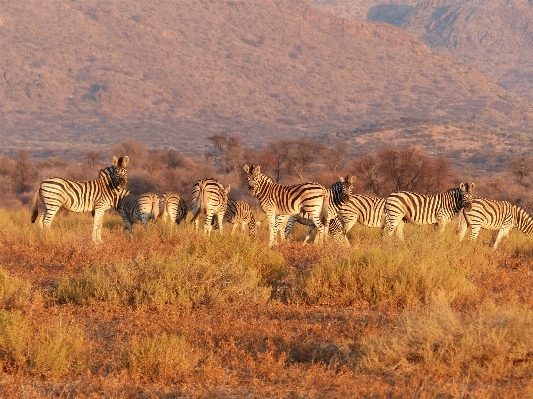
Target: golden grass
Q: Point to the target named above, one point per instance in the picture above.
(173, 313)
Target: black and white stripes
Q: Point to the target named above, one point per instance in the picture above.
(275, 199)
(494, 215)
(94, 196)
(405, 206)
(211, 198)
(138, 208)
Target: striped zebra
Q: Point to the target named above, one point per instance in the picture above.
(95, 196)
(211, 198)
(172, 208)
(405, 206)
(277, 199)
(339, 194)
(494, 215)
(336, 228)
(367, 210)
(138, 208)
(239, 213)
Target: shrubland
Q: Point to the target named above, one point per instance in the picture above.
(169, 312)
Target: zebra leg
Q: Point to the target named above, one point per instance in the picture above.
(399, 230)
(97, 225)
(273, 229)
(474, 233)
(220, 217)
(288, 226)
(207, 225)
(504, 231)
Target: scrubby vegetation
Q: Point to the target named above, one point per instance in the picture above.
(171, 313)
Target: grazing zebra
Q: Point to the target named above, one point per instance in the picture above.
(211, 198)
(172, 208)
(336, 228)
(239, 213)
(367, 210)
(95, 196)
(494, 215)
(138, 208)
(339, 194)
(277, 199)
(405, 206)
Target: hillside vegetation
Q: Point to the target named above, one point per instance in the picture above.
(171, 313)
(79, 74)
(492, 36)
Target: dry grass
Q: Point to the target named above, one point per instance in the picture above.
(172, 314)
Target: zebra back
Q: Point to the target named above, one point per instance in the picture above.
(367, 210)
(138, 208)
(208, 196)
(172, 208)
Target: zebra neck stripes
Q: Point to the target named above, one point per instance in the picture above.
(276, 199)
(94, 196)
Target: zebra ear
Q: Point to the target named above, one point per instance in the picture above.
(115, 161)
(472, 185)
(257, 170)
(462, 187)
(246, 168)
(125, 161)
(227, 190)
(352, 179)
(341, 179)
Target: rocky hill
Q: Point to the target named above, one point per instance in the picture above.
(83, 74)
(494, 36)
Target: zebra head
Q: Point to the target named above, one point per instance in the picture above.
(347, 187)
(254, 173)
(119, 172)
(467, 195)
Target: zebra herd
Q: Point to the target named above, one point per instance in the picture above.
(331, 211)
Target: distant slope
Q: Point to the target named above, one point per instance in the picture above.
(494, 36)
(80, 74)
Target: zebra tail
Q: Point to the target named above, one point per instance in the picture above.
(163, 208)
(324, 214)
(35, 211)
(155, 208)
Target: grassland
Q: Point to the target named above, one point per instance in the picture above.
(171, 314)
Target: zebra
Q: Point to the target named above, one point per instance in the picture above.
(339, 194)
(494, 215)
(336, 228)
(405, 206)
(277, 199)
(138, 208)
(211, 198)
(172, 208)
(95, 196)
(239, 213)
(367, 210)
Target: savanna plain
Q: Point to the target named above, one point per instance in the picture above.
(170, 313)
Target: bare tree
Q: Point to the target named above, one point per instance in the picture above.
(520, 167)
(335, 156)
(367, 168)
(135, 149)
(227, 151)
(93, 158)
(23, 172)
